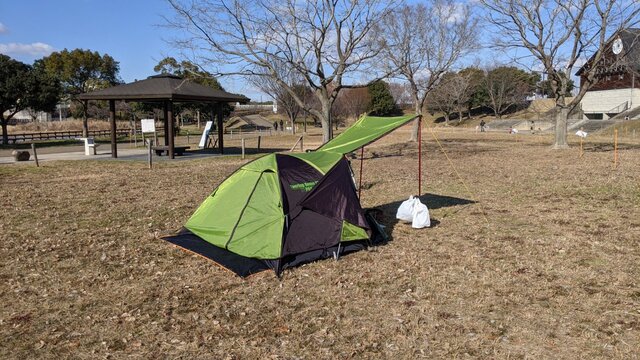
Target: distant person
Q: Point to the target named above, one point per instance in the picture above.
(532, 126)
(281, 125)
(482, 124)
(275, 125)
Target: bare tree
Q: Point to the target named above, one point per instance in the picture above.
(561, 34)
(351, 103)
(401, 94)
(280, 94)
(323, 41)
(462, 88)
(426, 41)
(507, 87)
(451, 95)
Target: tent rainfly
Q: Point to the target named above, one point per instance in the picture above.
(285, 209)
(165, 89)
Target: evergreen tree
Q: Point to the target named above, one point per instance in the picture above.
(80, 71)
(382, 102)
(24, 87)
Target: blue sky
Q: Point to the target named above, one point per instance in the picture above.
(128, 30)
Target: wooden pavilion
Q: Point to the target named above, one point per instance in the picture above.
(167, 90)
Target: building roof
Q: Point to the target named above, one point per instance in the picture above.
(164, 87)
(630, 50)
(253, 120)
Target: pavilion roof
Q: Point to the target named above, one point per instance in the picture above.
(164, 87)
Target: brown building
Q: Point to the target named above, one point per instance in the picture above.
(617, 90)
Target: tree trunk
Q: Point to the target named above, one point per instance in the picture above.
(292, 118)
(327, 130)
(562, 115)
(5, 135)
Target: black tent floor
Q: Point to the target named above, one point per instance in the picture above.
(245, 266)
(240, 265)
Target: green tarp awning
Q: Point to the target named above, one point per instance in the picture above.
(366, 130)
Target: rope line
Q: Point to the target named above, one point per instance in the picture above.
(470, 193)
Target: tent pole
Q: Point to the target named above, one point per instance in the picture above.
(419, 155)
(361, 162)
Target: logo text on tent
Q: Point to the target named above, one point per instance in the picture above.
(307, 186)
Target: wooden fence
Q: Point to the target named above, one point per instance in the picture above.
(64, 135)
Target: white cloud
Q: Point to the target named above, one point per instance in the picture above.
(3, 29)
(458, 12)
(34, 49)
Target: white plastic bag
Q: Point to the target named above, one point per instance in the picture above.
(415, 212)
(405, 211)
(420, 215)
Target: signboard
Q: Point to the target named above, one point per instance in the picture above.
(205, 134)
(148, 125)
(581, 133)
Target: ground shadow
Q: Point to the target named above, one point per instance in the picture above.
(435, 201)
(607, 147)
(387, 212)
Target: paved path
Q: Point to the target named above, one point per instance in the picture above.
(122, 153)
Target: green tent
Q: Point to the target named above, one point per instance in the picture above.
(363, 132)
(285, 209)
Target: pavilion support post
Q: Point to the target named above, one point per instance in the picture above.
(171, 127)
(219, 116)
(112, 119)
(165, 123)
(213, 117)
(85, 119)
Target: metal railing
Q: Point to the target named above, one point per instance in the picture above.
(620, 108)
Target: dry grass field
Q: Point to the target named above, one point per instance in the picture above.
(541, 260)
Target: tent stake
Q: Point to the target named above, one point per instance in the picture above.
(361, 162)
